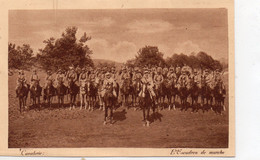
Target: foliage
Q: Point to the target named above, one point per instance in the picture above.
(199, 60)
(19, 57)
(65, 51)
(149, 55)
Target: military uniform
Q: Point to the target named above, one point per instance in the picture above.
(72, 75)
(147, 80)
(158, 80)
(183, 81)
(49, 80)
(171, 76)
(34, 79)
(137, 77)
(107, 82)
(60, 77)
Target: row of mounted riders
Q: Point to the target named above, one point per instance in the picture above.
(90, 94)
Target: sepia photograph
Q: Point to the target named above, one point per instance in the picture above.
(146, 78)
(118, 80)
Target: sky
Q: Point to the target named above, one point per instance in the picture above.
(119, 34)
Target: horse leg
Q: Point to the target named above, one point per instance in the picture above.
(111, 114)
(81, 100)
(148, 117)
(105, 118)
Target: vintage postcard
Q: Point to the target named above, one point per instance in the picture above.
(117, 79)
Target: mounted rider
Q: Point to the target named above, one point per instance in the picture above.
(165, 72)
(137, 76)
(21, 81)
(49, 79)
(92, 75)
(60, 77)
(183, 80)
(178, 71)
(196, 78)
(171, 76)
(158, 78)
(113, 72)
(83, 77)
(125, 75)
(108, 81)
(34, 79)
(147, 80)
(208, 79)
(71, 75)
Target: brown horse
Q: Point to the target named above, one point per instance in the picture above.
(146, 102)
(109, 99)
(170, 91)
(49, 93)
(219, 95)
(137, 87)
(61, 91)
(35, 93)
(125, 91)
(73, 90)
(22, 94)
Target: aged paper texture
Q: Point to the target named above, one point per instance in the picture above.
(117, 78)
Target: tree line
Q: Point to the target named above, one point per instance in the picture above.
(62, 52)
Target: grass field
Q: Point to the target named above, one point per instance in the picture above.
(61, 127)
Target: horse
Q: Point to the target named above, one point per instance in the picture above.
(35, 93)
(109, 100)
(61, 91)
(183, 94)
(219, 94)
(73, 90)
(170, 91)
(137, 87)
(49, 92)
(206, 94)
(194, 93)
(91, 95)
(83, 94)
(159, 92)
(99, 87)
(146, 102)
(22, 93)
(125, 91)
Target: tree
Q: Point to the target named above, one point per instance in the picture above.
(19, 57)
(149, 55)
(65, 51)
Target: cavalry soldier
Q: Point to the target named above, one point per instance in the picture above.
(49, 80)
(178, 71)
(153, 71)
(209, 79)
(34, 79)
(109, 80)
(71, 74)
(92, 75)
(137, 76)
(165, 72)
(196, 78)
(171, 76)
(158, 78)
(147, 80)
(21, 80)
(183, 80)
(125, 75)
(60, 77)
(83, 76)
(113, 72)
(78, 71)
